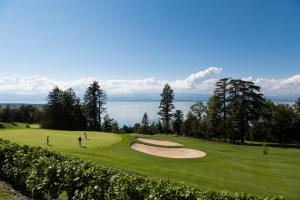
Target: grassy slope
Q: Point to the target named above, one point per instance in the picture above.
(227, 167)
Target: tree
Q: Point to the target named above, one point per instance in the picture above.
(136, 128)
(107, 123)
(115, 127)
(213, 117)
(53, 112)
(297, 119)
(283, 119)
(158, 128)
(245, 104)
(189, 125)
(199, 109)
(220, 94)
(145, 124)
(126, 129)
(297, 106)
(152, 128)
(28, 114)
(63, 111)
(94, 103)
(166, 106)
(177, 122)
(261, 129)
(6, 114)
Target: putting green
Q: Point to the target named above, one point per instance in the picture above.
(60, 140)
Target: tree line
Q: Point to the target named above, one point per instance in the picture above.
(236, 112)
(25, 113)
(66, 111)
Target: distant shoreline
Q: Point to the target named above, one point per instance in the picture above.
(45, 103)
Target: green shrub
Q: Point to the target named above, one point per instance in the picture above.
(41, 173)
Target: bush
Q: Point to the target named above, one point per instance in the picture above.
(41, 173)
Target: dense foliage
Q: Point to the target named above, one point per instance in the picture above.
(63, 111)
(236, 112)
(24, 113)
(44, 174)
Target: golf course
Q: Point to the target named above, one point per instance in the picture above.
(226, 167)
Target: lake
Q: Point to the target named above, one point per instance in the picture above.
(132, 112)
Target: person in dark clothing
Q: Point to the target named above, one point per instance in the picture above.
(79, 141)
(47, 142)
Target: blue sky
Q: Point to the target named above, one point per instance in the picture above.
(138, 39)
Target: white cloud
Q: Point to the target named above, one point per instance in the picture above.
(31, 85)
(42, 85)
(285, 86)
(200, 82)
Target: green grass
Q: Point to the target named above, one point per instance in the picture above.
(4, 195)
(232, 168)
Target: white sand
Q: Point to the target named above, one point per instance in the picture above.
(160, 142)
(168, 152)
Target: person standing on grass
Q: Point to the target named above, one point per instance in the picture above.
(47, 141)
(85, 135)
(79, 141)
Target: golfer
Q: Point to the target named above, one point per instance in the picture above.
(47, 142)
(79, 141)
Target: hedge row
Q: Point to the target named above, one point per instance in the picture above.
(41, 173)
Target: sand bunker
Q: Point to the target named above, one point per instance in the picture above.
(160, 142)
(168, 152)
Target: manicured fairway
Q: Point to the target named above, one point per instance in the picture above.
(226, 167)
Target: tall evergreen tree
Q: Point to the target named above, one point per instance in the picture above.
(53, 112)
(94, 103)
(72, 112)
(145, 124)
(221, 96)
(213, 117)
(166, 106)
(245, 103)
